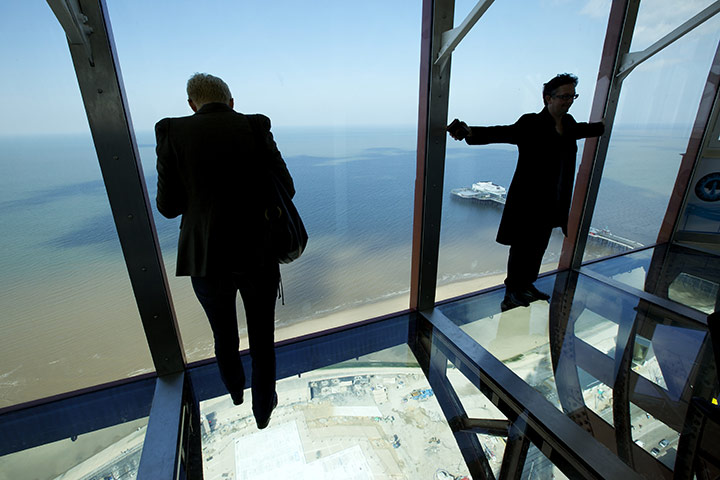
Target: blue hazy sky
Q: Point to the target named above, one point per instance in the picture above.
(341, 63)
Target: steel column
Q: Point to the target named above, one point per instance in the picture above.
(621, 24)
(103, 93)
(515, 455)
(172, 447)
(432, 120)
(625, 345)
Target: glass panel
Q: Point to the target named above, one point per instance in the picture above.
(671, 356)
(517, 337)
(653, 436)
(478, 406)
(109, 453)
(372, 417)
(656, 112)
(538, 465)
(495, 86)
(69, 319)
(667, 351)
(597, 331)
(598, 396)
(339, 82)
(655, 20)
(96, 435)
(686, 276)
(645, 363)
(494, 448)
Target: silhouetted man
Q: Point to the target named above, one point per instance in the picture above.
(540, 192)
(214, 169)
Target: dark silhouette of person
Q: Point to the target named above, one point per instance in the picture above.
(214, 169)
(540, 192)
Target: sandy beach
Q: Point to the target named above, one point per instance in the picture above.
(104, 357)
(391, 305)
(384, 307)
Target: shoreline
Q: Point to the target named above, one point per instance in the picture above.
(382, 307)
(17, 386)
(389, 306)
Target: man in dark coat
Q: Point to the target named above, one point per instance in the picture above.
(214, 169)
(540, 192)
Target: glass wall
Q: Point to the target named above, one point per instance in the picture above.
(339, 82)
(656, 111)
(498, 72)
(69, 318)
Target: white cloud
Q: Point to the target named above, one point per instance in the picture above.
(657, 18)
(596, 8)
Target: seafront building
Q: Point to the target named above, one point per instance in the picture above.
(616, 377)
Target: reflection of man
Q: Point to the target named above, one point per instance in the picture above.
(540, 192)
(214, 170)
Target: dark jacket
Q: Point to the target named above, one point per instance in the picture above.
(213, 169)
(541, 189)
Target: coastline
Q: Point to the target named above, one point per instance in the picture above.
(390, 305)
(68, 373)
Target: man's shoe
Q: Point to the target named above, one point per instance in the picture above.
(535, 294)
(237, 398)
(264, 421)
(513, 299)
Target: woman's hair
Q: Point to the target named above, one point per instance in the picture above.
(203, 88)
(559, 80)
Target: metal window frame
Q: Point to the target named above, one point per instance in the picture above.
(437, 18)
(97, 67)
(616, 64)
(172, 448)
(621, 25)
(558, 437)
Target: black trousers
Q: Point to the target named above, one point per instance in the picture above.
(258, 289)
(525, 258)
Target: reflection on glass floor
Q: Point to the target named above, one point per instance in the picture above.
(517, 337)
(110, 453)
(621, 366)
(372, 417)
(603, 377)
(683, 275)
(477, 405)
(98, 434)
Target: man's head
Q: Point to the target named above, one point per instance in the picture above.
(559, 93)
(203, 88)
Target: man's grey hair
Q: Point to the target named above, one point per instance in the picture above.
(204, 88)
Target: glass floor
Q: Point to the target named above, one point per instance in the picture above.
(680, 274)
(619, 364)
(371, 417)
(614, 377)
(92, 436)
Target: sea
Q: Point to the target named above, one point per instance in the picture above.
(69, 319)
